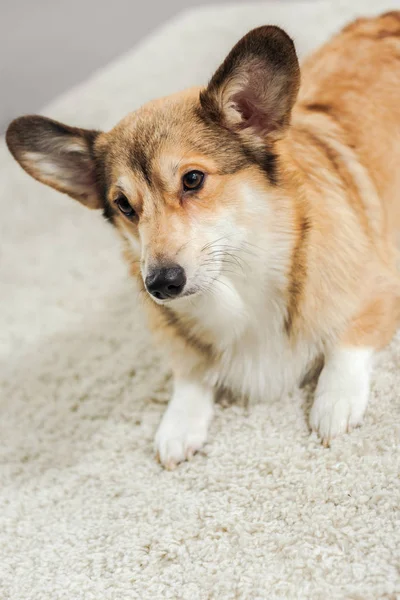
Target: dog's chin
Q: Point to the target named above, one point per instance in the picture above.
(185, 295)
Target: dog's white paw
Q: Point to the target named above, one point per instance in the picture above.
(179, 437)
(184, 426)
(342, 393)
(333, 415)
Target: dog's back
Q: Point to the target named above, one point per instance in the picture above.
(355, 81)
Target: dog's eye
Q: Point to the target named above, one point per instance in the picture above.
(124, 206)
(193, 180)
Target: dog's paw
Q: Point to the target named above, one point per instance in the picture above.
(342, 392)
(332, 415)
(179, 437)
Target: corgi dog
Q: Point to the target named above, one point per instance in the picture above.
(259, 216)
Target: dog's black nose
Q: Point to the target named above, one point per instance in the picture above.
(166, 282)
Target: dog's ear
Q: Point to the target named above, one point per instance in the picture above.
(57, 155)
(253, 91)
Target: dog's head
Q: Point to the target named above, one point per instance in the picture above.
(182, 177)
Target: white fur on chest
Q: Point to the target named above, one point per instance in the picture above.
(257, 368)
(261, 364)
(255, 356)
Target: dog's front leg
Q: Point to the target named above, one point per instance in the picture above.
(184, 426)
(342, 392)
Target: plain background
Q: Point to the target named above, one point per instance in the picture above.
(47, 46)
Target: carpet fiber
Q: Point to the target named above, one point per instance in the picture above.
(85, 511)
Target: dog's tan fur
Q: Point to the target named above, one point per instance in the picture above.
(333, 199)
(350, 101)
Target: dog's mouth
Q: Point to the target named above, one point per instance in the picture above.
(185, 294)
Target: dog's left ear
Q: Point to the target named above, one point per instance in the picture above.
(254, 89)
(60, 156)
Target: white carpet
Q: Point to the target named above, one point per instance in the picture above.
(86, 512)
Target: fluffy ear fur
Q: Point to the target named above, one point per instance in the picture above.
(254, 89)
(57, 155)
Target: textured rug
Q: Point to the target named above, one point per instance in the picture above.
(85, 511)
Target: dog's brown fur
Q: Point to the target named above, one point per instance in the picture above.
(349, 101)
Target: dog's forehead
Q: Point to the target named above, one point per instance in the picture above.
(158, 121)
(163, 126)
(173, 128)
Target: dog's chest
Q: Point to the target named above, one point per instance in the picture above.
(254, 356)
(261, 365)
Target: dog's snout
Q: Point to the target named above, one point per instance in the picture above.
(166, 282)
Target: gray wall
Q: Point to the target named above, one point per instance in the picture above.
(46, 46)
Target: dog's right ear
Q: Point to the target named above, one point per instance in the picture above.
(253, 91)
(57, 155)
